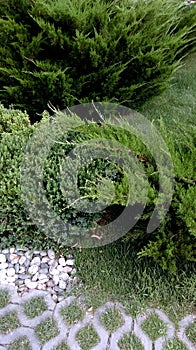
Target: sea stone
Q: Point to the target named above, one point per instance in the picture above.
(51, 254)
(11, 271)
(2, 258)
(36, 261)
(56, 279)
(70, 262)
(22, 260)
(33, 269)
(62, 262)
(62, 285)
(64, 276)
(30, 284)
(35, 277)
(53, 271)
(3, 266)
(67, 269)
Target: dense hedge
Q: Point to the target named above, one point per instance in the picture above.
(172, 241)
(83, 50)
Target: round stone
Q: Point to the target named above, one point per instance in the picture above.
(60, 298)
(51, 254)
(2, 258)
(43, 271)
(17, 268)
(50, 284)
(3, 266)
(70, 262)
(12, 250)
(35, 277)
(22, 269)
(67, 269)
(54, 297)
(44, 278)
(60, 268)
(5, 251)
(26, 263)
(62, 285)
(14, 258)
(36, 261)
(53, 271)
(56, 279)
(30, 284)
(62, 262)
(22, 260)
(11, 271)
(45, 259)
(64, 276)
(33, 269)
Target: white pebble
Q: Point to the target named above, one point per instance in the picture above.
(51, 254)
(10, 271)
(64, 276)
(35, 277)
(45, 259)
(12, 250)
(60, 268)
(3, 266)
(43, 278)
(30, 284)
(53, 271)
(22, 260)
(70, 262)
(33, 269)
(62, 285)
(14, 258)
(2, 258)
(22, 269)
(36, 261)
(56, 279)
(67, 269)
(62, 262)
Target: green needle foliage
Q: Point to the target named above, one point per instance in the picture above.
(172, 242)
(65, 52)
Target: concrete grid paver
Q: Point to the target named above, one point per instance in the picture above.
(68, 334)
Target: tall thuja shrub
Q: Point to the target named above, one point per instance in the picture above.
(75, 51)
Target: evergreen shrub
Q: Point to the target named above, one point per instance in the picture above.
(172, 242)
(70, 51)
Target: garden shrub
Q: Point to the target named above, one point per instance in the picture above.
(65, 52)
(172, 242)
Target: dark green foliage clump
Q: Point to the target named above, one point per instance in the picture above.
(65, 52)
(170, 243)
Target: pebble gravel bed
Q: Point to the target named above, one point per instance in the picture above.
(38, 270)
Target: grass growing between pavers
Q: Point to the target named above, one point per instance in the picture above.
(46, 330)
(112, 320)
(154, 327)
(62, 346)
(87, 337)
(9, 322)
(175, 345)
(20, 344)
(72, 314)
(191, 332)
(130, 342)
(4, 298)
(35, 307)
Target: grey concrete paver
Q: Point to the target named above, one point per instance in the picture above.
(68, 333)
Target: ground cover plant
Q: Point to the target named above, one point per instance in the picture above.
(68, 52)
